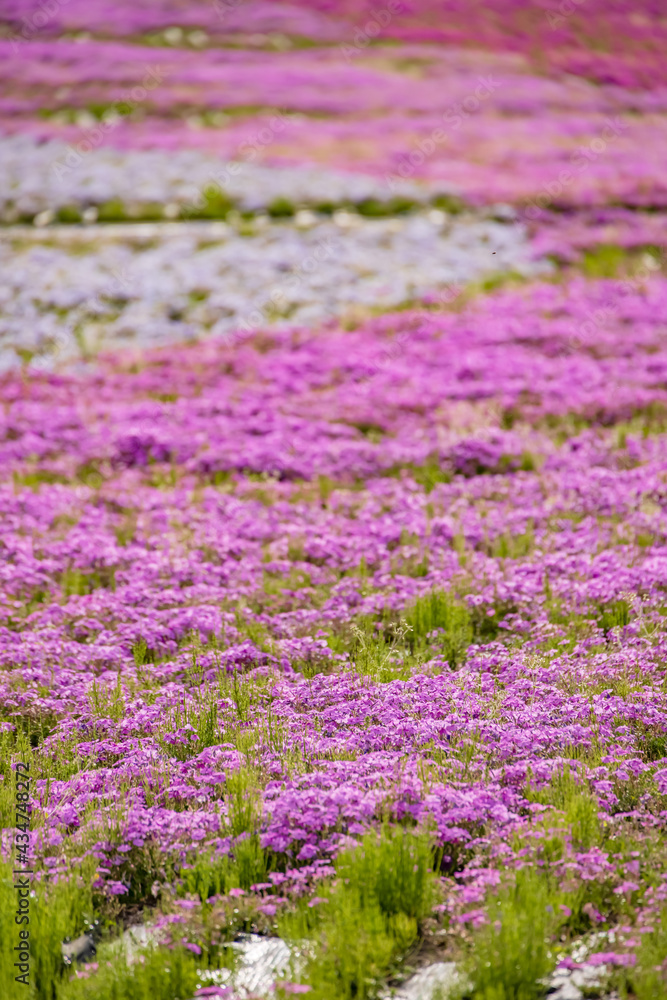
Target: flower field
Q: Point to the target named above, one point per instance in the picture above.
(333, 501)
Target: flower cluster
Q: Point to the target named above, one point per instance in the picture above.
(188, 542)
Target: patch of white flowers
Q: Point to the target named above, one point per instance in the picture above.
(70, 291)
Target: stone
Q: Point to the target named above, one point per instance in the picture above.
(81, 949)
(433, 982)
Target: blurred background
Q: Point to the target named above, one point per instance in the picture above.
(179, 169)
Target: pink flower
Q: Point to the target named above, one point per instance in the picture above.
(626, 887)
(474, 917)
(610, 958)
(592, 913)
(116, 888)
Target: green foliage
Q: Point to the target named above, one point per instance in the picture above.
(215, 204)
(107, 702)
(57, 911)
(605, 261)
(213, 874)
(503, 279)
(378, 657)
(78, 582)
(394, 868)
(578, 804)
(513, 546)
(68, 214)
(34, 478)
(430, 474)
(573, 826)
(448, 203)
(155, 974)
(242, 801)
(281, 208)
(370, 915)
(373, 208)
(112, 211)
(438, 612)
(647, 980)
(609, 260)
(486, 627)
(209, 875)
(510, 953)
(654, 745)
(614, 615)
(151, 211)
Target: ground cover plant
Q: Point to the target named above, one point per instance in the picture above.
(421, 592)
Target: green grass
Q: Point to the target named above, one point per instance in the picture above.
(368, 918)
(614, 615)
(647, 980)
(579, 806)
(510, 954)
(438, 612)
(156, 974)
(247, 863)
(437, 624)
(513, 546)
(373, 208)
(609, 260)
(281, 208)
(80, 582)
(58, 911)
(377, 657)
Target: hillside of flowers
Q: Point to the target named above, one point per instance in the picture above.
(333, 500)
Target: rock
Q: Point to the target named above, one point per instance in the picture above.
(81, 949)
(569, 984)
(262, 961)
(566, 991)
(138, 937)
(589, 976)
(437, 980)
